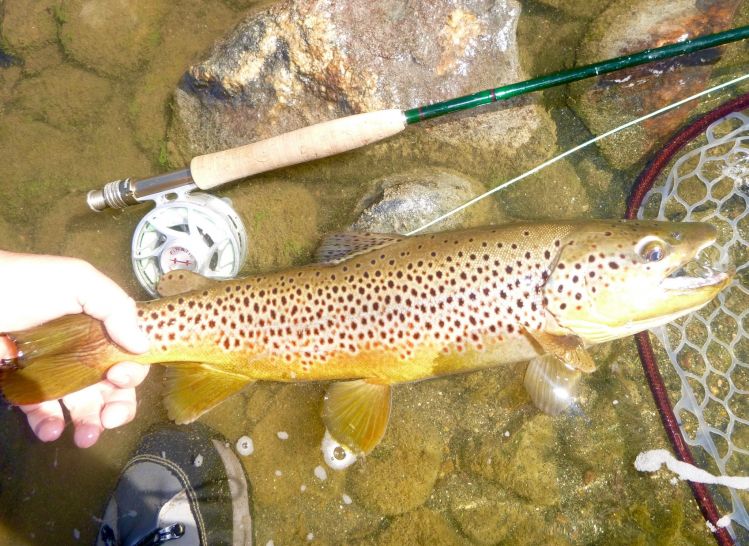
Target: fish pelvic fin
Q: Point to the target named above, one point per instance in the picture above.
(551, 384)
(57, 358)
(193, 388)
(356, 413)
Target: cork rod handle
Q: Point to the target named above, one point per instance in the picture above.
(313, 142)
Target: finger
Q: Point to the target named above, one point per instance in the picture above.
(102, 298)
(119, 408)
(85, 408)
(127, 374)
(45, 419)
(7, 348)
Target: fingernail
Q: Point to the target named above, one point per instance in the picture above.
(49, 429)
(86, 435)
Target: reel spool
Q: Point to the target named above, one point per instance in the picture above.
(193, 231)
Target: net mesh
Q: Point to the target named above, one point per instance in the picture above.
(709, 349)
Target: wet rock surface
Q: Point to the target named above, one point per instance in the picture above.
(114, 37)
(304, 62)
(406, 201)
(626, 27)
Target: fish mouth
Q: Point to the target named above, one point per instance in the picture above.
(697, 273)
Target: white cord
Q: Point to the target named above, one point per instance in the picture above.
(593, 140)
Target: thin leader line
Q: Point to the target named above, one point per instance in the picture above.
(593, 140)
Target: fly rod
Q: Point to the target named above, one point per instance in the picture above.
(340, 135)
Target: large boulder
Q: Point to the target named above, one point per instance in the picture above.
(306, 61)
(626, 27)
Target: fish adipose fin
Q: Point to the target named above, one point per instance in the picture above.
(179, 281)
(194, 388)
(567, 348)
(337, 247)
(55, 359)
(356, 413)
(551, 384)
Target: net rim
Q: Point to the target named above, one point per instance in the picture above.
(647, 356)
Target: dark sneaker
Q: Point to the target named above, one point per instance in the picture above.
(184, 487)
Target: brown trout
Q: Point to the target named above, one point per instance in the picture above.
(385, 309)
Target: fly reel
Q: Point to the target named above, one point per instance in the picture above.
(193, 231)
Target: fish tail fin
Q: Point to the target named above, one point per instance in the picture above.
(55, 359)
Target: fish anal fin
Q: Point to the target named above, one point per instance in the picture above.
(570, 349)
(551, 384)
(356, 413)
(179, 281)
(337, 247)
(191, 389)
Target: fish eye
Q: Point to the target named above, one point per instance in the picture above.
(652, 250)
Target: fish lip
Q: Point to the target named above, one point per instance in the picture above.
(687, 283)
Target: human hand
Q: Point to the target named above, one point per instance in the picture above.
(37, 288)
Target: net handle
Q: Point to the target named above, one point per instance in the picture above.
(649, 363)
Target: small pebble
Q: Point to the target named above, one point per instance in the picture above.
(245, 446)
(303, 488)
(346, 499)
(310, 536)
(615, 402)
(76, 534)
(278, 473)
(269, 543)
(320, 473)
(198, 462)
(507, 433)
(283, 435)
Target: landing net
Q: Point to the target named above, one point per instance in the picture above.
(703, 175)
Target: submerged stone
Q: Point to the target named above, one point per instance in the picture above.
(29, 25)
(114, 37)
(610, 100)
(400, 474)
(406, 201)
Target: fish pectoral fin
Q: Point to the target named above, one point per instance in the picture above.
(337, 247)
(551, 385)
(356, 413)
(179, 281)
(570, 349)
(194, 388)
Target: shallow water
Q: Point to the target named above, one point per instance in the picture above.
(466, 460)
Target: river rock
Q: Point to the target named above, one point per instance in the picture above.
(488, 514)
(420, 526)
(281, 219)
(519, 460)
(577, 8)
(610, 100)
(400, 473)
(29, 25)
(153, 91)
(406, 201)
(65, 96)
(307, 61)
(554, 193)
(114, 37)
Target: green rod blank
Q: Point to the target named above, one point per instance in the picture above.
(421, 113)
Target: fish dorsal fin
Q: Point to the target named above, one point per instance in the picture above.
(551, 385)
(570, 349)
(179, 281)
(193, 388)
(337, 247)
(356, 413)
